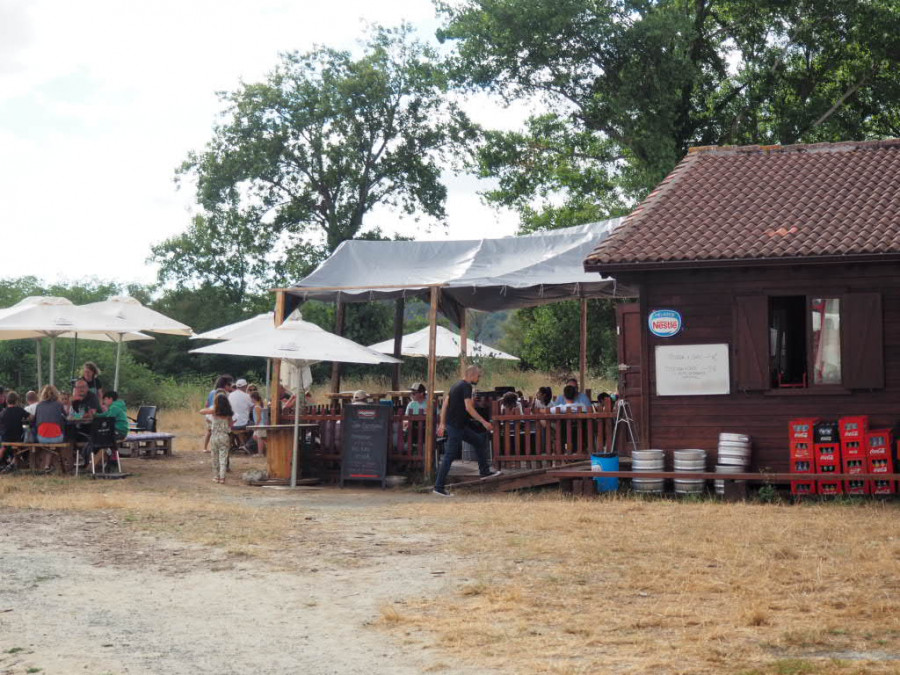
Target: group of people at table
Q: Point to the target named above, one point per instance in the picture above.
(53, 416)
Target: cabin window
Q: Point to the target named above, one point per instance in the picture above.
(804, 341)
(807, 341)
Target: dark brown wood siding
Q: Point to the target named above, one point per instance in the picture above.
(708, 301)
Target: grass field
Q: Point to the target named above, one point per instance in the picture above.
(547, 584)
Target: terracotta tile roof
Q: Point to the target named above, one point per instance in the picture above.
(724, 205)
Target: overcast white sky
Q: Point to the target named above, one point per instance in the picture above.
(100, 100)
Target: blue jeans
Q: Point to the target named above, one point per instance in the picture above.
(453, 450)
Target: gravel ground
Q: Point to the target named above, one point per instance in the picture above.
(82, 594)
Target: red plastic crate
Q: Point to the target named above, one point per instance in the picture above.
(799, 465)
(854, 448)
(802, 450)
(802, 429)
(854, 428)
(856, 465)
(881, 465)
(882, 487)
(880, 442)
(801, 488)
(857, 487)
(828, 454)
(827, 487)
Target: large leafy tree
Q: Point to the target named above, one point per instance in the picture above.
(301, 158)
(627, 86)
(622, 88)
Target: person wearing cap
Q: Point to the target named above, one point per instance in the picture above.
(360, 397)
(456, 414)
(417, 405)
(241, 405)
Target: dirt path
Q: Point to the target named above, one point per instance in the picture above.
(83, 593)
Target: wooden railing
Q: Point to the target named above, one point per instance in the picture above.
(537, 440)
(519, 441)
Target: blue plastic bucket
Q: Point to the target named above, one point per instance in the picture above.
(605, 463)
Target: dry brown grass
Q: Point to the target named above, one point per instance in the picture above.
(623, 585)
(546, 584)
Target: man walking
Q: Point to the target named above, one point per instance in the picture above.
(456, 413)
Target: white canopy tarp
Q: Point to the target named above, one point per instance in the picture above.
(446, 346)
(482, 274)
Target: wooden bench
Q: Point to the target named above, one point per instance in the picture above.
(63, 452)
(149, 444)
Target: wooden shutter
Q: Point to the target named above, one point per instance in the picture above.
(751, 342)
(862, 341)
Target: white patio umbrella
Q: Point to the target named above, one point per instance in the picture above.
(240, 329)
(301, 343)
(120, 315)
(416, 344)
(48, 316)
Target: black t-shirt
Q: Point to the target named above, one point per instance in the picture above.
(11, 421)
(89, 402)
(457, 415)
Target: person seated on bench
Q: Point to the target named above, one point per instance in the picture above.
(12, 421)
(85, 403)
(570, 401)
(241, 404)
(50, 421)
(580, 397)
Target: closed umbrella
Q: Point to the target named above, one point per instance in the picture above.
(120, 315)
(302, 344)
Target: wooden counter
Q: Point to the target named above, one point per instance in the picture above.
(280, 447)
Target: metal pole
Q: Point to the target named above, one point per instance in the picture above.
(37, 349)
(118, 358)
(53, 360)
(295, 456)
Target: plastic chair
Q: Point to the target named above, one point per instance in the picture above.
(146, 419)
(103, 437)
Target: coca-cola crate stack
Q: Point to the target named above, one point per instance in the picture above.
(827, 450)
(880, 443)
(801, 436)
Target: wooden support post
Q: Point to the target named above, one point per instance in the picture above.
(463, 342)
(399, 306)
(432, 367)
(338, 330)
(582, 382)
(280, 300)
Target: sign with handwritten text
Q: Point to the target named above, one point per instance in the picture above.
(692, 370)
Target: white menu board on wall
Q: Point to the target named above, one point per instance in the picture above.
(692, 370)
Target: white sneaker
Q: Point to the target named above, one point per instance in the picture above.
(441, 493)
(492, 474)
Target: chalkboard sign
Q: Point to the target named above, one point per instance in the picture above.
(364, 442)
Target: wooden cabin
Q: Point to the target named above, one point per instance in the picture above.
(769, 289)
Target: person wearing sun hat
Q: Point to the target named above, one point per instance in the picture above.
(360, 397)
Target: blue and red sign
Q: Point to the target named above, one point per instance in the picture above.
(664, 322)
